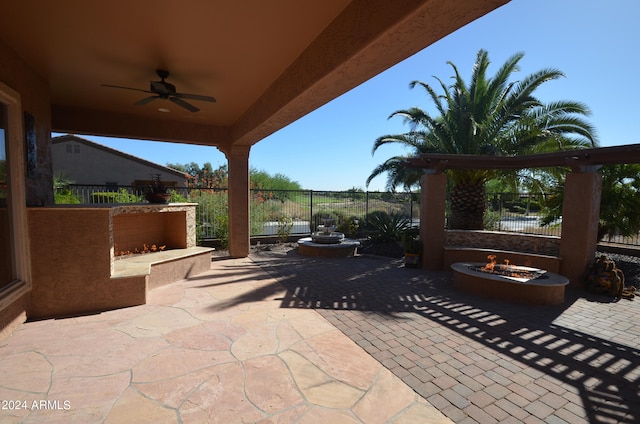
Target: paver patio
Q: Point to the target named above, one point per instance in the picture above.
(477, 360)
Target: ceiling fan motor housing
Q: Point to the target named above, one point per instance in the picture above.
(163, 88)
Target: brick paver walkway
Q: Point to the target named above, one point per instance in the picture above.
(473, 359)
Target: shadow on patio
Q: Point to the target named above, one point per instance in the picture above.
(470, 357)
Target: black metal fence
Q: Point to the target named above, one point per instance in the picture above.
(300, 211)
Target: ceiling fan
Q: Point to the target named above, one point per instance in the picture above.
(164, 90)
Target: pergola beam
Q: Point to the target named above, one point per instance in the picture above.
(578, 160)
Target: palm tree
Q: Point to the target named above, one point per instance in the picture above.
(488, 116)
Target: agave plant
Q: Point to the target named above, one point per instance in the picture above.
(388, 227)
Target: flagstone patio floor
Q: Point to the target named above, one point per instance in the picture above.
(219, 347)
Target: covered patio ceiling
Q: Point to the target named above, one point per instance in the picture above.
(266, 63)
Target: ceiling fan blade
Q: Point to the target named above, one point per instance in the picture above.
(184, 104)
(146, 100)
(125, 88)
(195, 97)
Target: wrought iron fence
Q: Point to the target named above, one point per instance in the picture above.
(301, 210)
(518, 213)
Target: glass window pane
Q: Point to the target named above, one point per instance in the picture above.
(6, 255)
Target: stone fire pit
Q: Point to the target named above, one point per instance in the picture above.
(531, 287)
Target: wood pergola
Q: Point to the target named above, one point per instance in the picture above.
(577, 160)
(581, 206)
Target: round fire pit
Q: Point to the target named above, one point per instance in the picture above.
(517, 284)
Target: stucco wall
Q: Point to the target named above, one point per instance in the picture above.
(73, 272)
(34, 99)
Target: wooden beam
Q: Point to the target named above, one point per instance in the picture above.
(578, 160)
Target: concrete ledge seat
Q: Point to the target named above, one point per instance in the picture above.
(454, 254)
(163, 267)
(547, 291)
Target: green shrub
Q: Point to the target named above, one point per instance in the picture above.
(491, 220)
(212, 217)
(411, 241)
(121, 196)
(388, 227)
(285, 224)
(349, 227)
(176, 197)
(65, 197)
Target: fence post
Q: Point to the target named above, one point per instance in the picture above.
(411, 209)
(311, 211)
(366, 207)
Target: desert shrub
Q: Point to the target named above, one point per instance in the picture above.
(285, 224)
(388, 227)
(212, 215)
(349, 227)
(318, 217)
(491, 220)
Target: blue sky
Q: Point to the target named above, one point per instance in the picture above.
(593, 42)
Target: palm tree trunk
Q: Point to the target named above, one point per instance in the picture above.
(468, 203)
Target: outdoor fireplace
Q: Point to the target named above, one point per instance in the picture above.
(149, 231)
(511, 283)
(77, 270)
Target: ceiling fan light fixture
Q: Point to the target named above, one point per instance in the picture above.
(167, 91)
(164, 110)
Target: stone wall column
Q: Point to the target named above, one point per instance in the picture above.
(580, 216)
(432, 219)
(238, 200)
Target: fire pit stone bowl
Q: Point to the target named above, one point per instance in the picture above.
(531, 286)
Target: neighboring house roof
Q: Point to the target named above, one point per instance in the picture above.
(70, 137)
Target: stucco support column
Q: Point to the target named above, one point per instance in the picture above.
(432, 219)
(238, 198)
(580, 216)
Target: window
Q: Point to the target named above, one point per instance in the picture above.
(15, 271)
(6, 262)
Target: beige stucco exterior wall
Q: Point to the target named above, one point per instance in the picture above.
(32, 96)
(73, 260)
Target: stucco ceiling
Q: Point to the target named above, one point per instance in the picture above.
(266, 62)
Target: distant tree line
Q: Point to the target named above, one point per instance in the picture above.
(207, 177)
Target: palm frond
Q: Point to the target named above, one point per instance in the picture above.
(489, 115)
